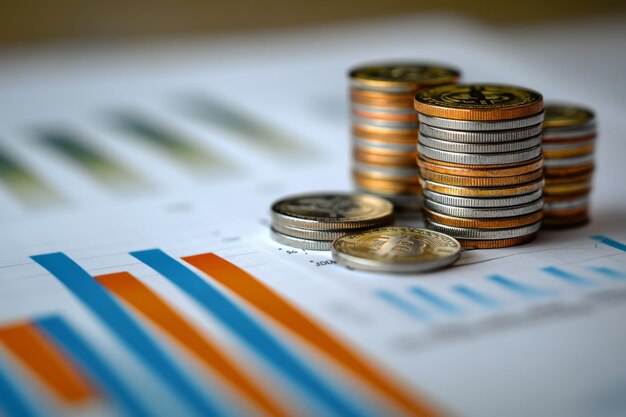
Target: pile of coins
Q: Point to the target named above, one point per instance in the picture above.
(314, 221)
(569, 134)
(384, 128)
(481, 163)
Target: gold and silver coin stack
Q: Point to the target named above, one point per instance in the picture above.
(384, 128)
(314, 221)
(569, 134)
(481, 163)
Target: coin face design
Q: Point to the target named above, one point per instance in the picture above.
(396, 249)
(478, 101)
(563, 115)
(405, 73)
(333, 211)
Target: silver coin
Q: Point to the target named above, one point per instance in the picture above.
(568, 146)
(383, 123)
(472, 125)
(296, 242)
(514, 146)
(485, 202)
(308, 233)
(384, 110)
(566, 204)
(332, 211)
(568, 162)
(483, 234)
(386, 171)
(396, 250)
(497, 136)
(383, 146)
(570, 132)
(480, 159)
(484, 213)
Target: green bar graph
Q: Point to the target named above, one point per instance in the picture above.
(24, 185)
(91, 159)
(172, 144)
(246, 127)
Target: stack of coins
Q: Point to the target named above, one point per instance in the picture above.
(313, 221)
(569, 134)
(480, 163)
(384, 128)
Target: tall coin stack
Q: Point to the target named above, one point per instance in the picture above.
(481, 163)
(569, 134)
(313, 221)
(384, 128)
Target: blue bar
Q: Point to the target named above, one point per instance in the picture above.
(92, 364)
(610, 242)
(102, 304)
(610, 273)
(568, 277)
(436, 301)
(402, 305)
(518, 288)
(476, 296)
(248, 329)
(12, 402)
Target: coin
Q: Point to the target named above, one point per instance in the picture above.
(473, 171)
(482, 192)
(482, 202)
(396, 250)
(569, 134)
(483, 213)
(465, 181)
(483, 234)
(391, 187)
(308, 233)
(487, 223)
(385, 146)
(398, 161)
(478, 102)
(482, 137)
(572, 152)
(481, 125)
(479, 159)
(295, 242)
(401, 76)
(566, 115)
(332, 211)
(497, 243)
(445, 145)
(486, 168)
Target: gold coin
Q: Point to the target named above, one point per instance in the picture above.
(465, 181)
(358, 93)
(564, 115)
(551, 172)
(386, 131)
(407, 160)
(545, 138)
(477, 102)
(387, 186)
(562, 222)
(501, 223)
(569, 179)
(496, 243)
(396, 250)
(567, 153)
(332, 211)
(565, 212)
(534, 165)
(405, 138)
(563, 197)
(385, 116)
(404, 76)
(482, 192)
(567, 188)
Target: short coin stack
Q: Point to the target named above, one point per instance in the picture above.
(384, 128)
(569, 134)
(313, 221)
(481, 163)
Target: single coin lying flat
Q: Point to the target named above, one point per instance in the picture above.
(396, 250)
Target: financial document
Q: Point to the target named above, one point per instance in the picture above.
(138, 278)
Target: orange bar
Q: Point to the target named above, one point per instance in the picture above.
(47, 363)
(273, 305)
(155, 309)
